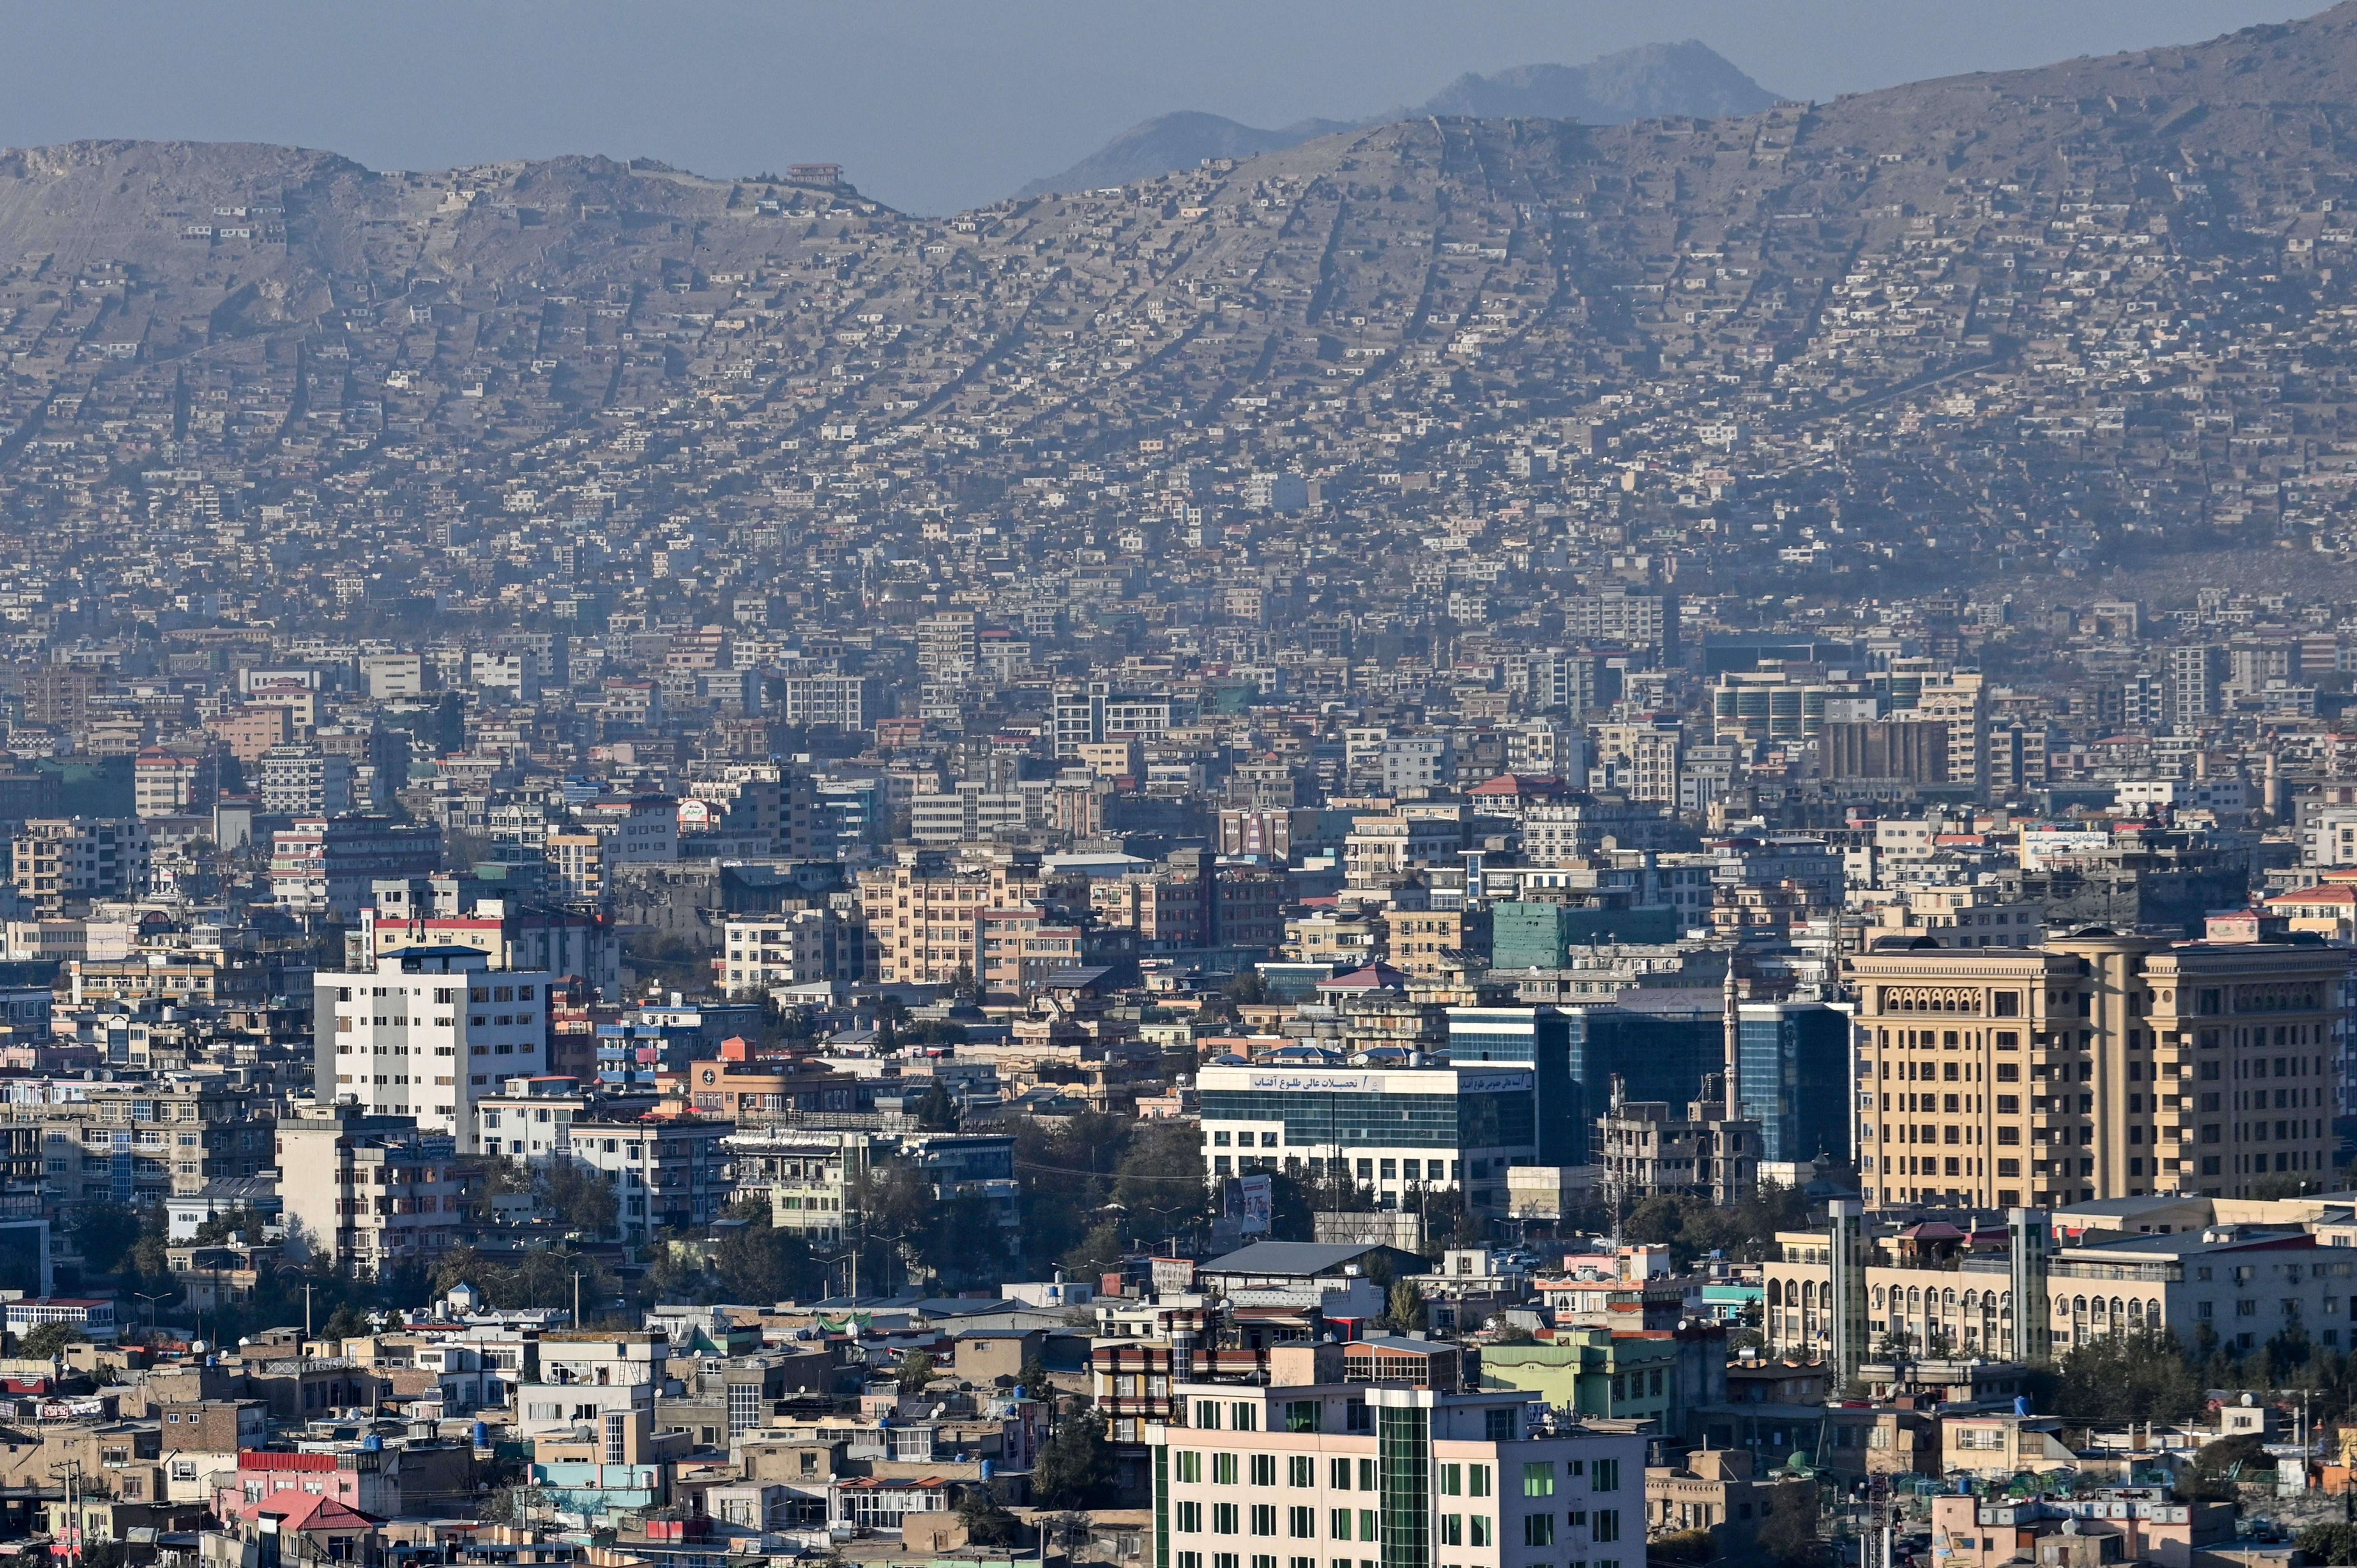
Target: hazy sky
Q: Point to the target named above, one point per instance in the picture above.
(930, 105)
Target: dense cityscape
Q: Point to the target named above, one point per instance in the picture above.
(1576, 844)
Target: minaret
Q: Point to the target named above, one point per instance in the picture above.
(1734, 1021)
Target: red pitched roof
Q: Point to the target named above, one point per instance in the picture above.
(303, 1510)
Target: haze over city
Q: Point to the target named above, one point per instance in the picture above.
(935, 107)
(1491, 787)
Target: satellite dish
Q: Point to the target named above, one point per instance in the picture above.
(2248, 1401)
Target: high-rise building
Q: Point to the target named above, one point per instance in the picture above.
(1960, 700)
(2197, 679)
(2096, 1067)
(426, 1032)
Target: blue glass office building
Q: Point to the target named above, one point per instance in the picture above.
(1792, 1064)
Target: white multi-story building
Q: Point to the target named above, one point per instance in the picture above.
(302, 780)
(1415, 1476)
(426, 1033)
(1391, 1131)
(640, 830)
(764, 951)
(587, 1376)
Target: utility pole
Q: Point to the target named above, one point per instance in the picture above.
(576, 1298)
(306, 1312)
(69, 1471)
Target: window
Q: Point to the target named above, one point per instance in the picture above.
(1301, 1470)
(1264, 1470)
(1478, 1529)
(1263, 1518)
(1477, 1481)
(1207, 1414)
(1190, 1517)
(1538, 1530)
(1538, 1479)
(1242, 1417)
(1604, 1526)
(1338, 1523)
(1605, 1476)
(1223, 1469)
(1190, 1466)
(1366, 1474)
(1303, 1415)
(1452, 1480)
(1338, 1475)
(1191, 1560)
(1224, 1518)
(1498, 1425)
(1301, 1523)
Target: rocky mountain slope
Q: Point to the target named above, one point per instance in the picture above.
(1646, 82)
(2076, 310)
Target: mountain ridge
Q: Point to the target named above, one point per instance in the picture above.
(1650, 81)
(2029, 304)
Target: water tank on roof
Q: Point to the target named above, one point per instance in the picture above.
(482, 1435)
(373, 1444)
(989, 1466)
(2021, 1404)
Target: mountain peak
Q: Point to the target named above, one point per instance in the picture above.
(1650, 81)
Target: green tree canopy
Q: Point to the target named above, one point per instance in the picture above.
(580, 1196)
(1075, 1468)
(44, 1340)
(915, 1371)
(2127, 1378)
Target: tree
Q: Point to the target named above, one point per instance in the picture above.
(1788, 1537)
(2334, 1544)
(916, 1370)
(936, 1111)
(344, 1324)
(1685, 1546)
(45, 1341)
(1033, 1380)
(2127, 1378)
(580, 1197)
(986, 1522)
(1406, 1313)
(1250, 987)
(757, 1263)
(1160, 1181)
(1075, 1468)
(105, 1232)
(243, 1220)
(1094, 1253)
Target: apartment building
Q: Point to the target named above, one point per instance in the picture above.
(175, 781)
(303, 780)
(794, 947)
(369, 1192)
(58, 860)
(136, 1143)
(2095, 1067)
(924, 914)
(586, 1378)
(1410, 1475)
(427, 1031)
(670, 1174)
